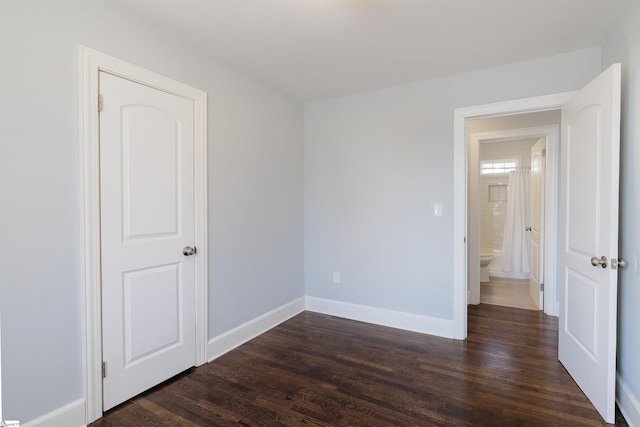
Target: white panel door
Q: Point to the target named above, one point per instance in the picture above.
(589, 209)
(147, 214)
(536, 195)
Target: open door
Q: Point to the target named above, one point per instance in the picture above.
(589, 238)
(536, 254)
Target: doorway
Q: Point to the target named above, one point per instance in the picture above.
(460, 221)
(520, 259)
(94, 63)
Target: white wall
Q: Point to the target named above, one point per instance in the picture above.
(375, 163)
(624, 46)
(255, 183)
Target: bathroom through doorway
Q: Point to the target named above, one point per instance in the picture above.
(511, 159)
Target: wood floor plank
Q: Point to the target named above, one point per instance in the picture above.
(325, 371)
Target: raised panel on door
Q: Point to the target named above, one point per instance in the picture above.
(151, 203)
(147, 210)
(150, 329)
(535, 261)
(584, 189)
(580, 325)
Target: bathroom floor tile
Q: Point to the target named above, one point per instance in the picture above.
(507, 292)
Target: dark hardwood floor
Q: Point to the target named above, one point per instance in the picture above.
(326, 371)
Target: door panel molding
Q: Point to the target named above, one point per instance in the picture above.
(91, 63)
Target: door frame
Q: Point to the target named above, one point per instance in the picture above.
(91, 63)
(551, 134)
(460, 183)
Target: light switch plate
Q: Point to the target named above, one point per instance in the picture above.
(336, 277)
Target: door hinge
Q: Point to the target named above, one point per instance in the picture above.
(104, 369)
(544, 152)
(541, 287)
(100, 105)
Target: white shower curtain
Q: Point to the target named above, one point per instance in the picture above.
(516, 240)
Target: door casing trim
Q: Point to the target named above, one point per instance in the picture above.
(460, 177)
(91, 63)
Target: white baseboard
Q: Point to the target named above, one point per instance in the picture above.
(226, 342)
(379, 316)
(70, 415)
(628, 403)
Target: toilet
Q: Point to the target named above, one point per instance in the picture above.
(485, 259)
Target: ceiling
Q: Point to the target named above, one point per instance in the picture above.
(315, 49)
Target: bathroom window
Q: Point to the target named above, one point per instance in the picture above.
(498, 167)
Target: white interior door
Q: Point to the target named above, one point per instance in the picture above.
(589, 236)
(536, 194)
(147, 218)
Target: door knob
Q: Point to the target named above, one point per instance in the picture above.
(602, 261)
(188, 251)
(618, 263)
(527, 228)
